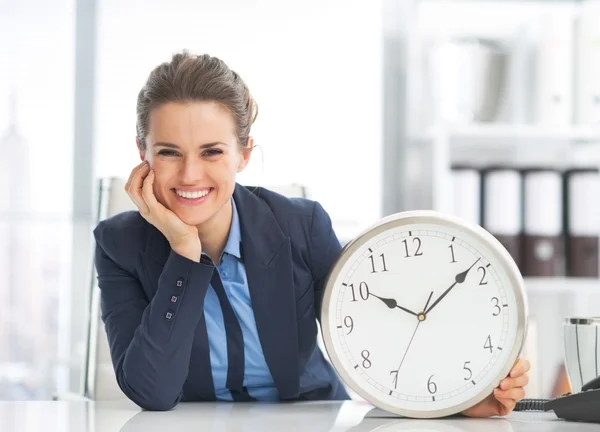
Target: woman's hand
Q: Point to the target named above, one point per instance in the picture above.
(505, 396)
(182, 237)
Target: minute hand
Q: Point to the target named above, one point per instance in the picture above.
(459, 278)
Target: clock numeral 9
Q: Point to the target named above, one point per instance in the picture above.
(382, 256)
(488, 343)
(431, 386)
(418, 252)
(497, 308)
(349, 323)
(482, 281)
(469, 370)
(366, 362)
(363, 290)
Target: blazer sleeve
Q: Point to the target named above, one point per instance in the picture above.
(324, 250)
(150, 341)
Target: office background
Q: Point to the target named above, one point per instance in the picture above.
(372, 105)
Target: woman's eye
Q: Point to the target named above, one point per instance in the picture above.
(168, 153)
(212, 152)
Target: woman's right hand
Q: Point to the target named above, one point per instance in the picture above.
(182, 237)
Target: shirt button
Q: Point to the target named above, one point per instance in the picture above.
(169, 315)
(174, 299)
(225, 274)
(179, 282)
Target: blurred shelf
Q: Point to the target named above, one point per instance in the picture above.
(562, 285)
(510, 134)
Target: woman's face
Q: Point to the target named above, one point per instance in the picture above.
(193, 150)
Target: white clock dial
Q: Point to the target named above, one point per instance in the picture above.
(423, 318)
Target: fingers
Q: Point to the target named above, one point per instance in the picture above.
(508, 405)
(134, 171)
(134, 187)
(516, 394)
(521, 367)
(148, 192)
(508, 383)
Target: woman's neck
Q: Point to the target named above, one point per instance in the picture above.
(214, 232)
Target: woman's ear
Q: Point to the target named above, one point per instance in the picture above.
(246, 153)
(142, 153)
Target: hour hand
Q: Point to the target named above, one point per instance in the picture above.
(392, 304)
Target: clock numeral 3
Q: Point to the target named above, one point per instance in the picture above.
(382, 256)
(418, 252)
(497, 308)
(363, 290)
(349, 323)
(366, 362)
(482, 281)
(469, 370)
(451, 247)
(488, 343)
(431, 386)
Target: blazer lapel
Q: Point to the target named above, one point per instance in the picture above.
(199, 383)
(268, 260)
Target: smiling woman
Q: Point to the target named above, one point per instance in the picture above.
(212, 290)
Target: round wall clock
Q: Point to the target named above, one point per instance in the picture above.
(423, 314)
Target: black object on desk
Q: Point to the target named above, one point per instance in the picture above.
(583, 406)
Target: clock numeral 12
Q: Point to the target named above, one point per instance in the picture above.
(418, 252)
(363, 290)
(382, 256)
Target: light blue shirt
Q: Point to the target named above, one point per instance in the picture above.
(257, 377)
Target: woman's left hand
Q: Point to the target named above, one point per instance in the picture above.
(504, 398)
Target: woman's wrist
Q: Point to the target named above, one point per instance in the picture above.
(192, 252)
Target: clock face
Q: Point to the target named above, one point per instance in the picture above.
(424, 316)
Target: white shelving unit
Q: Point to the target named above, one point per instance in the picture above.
(433, 146)
(562, 285)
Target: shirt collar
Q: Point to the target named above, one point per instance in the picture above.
(232, 247)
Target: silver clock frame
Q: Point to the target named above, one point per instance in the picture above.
(504, 259)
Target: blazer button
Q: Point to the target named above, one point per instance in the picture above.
(169, 315)
(174, 299)
(179, 282)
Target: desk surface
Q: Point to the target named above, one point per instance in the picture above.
(347, 416)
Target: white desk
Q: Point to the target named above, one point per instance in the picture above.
(246, 417)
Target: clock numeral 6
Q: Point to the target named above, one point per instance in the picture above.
(418, 252)
(431, 386)
(469, 370)
(349, 323)
(373, 266)
(496, 306)
(363, 290)
(366, 362)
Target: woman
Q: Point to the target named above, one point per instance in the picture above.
(211, 291)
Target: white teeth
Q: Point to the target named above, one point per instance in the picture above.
(192, 195)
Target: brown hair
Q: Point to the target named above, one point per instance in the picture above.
(189, 78)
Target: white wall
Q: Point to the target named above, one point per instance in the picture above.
(314, 67)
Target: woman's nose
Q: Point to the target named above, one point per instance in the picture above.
(192, 171)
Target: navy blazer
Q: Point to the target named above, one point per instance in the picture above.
(160, 349)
